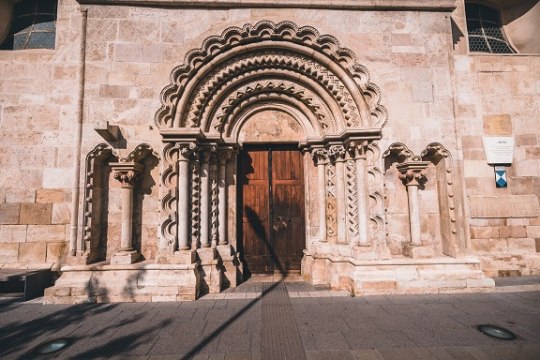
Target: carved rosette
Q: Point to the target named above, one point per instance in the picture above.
(186, 150)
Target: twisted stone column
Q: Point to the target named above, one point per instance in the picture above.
(205, 199)
(358, 153)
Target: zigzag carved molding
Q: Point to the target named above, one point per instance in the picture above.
(254, 50)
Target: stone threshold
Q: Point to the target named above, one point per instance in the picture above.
(440, 260)
(136, 266)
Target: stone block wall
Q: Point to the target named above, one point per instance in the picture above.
(500, 95)
(38, 98)
(433, 90)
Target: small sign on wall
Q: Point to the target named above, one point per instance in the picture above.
(498, 149)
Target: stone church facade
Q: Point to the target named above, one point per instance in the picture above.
(158, 150)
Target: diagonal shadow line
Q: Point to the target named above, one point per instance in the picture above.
(258, 226)
(230, 321)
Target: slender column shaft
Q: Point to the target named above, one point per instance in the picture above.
(341, 202)
(363, 216)
(205, 213)
(126, 240)
(414, 214)
(183, 204)
(222, 203)
(322, 200)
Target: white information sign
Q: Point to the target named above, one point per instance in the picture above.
(498, 149)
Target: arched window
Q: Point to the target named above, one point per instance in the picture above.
(485, 30)
(33, 25)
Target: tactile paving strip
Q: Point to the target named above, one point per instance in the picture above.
(280, 338)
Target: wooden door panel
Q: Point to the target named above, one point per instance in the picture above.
(272, 209)
(288, 208)
(254, 178)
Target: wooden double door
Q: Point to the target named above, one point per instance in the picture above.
(271, 199)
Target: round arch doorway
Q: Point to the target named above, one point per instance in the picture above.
(271, 205)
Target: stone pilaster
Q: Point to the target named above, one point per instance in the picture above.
(357, 150)
(185, 150)
(205, 192)
(412, 173)
(337, 152)
(320, 157)
(127, 174)
(224, 156)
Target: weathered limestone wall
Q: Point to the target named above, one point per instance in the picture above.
(430, 91)
(499, 95)
(38, 98)
(130, 52)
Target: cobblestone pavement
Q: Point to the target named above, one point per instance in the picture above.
(279, 321)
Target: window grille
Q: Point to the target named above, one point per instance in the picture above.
(485, 30)
(33, 26)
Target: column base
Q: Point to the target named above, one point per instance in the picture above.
(231, 274)
(364, 252)
(418, 252)
(125, 257)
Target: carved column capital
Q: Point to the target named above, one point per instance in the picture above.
(127, 173)
(205, 152)
(224, 155)
(185, 150)
(337, 152)
(412, 173)
(320, 156)
(357, 149)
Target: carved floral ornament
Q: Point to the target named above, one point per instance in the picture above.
(267, 62)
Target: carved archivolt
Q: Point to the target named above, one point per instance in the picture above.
(281, 59)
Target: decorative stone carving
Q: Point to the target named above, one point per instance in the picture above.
(376, 210)
(195, 201)
(258, 50)
(224, 156)
(127, 177)
(331, 221)
(454, 237)
(169, 199)
(259, 89)
(412, 173)
(204, 156)
(127, 171)
(352, 201)
(213, 199)
(95, 168)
